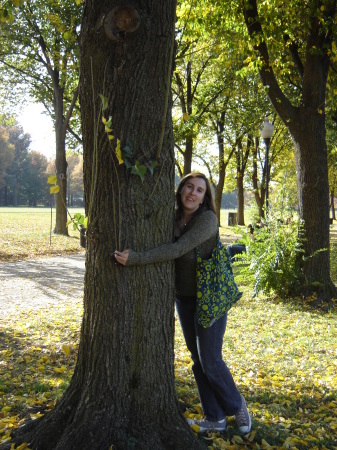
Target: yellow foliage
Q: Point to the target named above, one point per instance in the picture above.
(52, 179)
(119, 152)
(54, 189)
(66, 349)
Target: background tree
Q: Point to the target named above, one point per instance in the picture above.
(6, 158)
(122, 393)
(36, 190)
(16, 171)
(39, 53)
(75, 180)
(294, 70)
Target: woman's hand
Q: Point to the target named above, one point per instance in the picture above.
(122, 257)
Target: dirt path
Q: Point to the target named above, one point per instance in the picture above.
(40, 282)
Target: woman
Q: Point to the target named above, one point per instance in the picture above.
(197, 226)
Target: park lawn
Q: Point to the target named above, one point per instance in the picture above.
(27, 233)
(283, 356)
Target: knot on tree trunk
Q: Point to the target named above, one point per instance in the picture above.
(120, 21)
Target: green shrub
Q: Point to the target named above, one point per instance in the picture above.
(272, 259)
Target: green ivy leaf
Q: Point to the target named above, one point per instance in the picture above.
(104, 102)
(126, 152)
(152, 166)
(139, 169)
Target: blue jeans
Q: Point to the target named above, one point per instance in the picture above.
(218, 394)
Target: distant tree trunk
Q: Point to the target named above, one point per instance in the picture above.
(186, 103)
(259, 198)
(241, 163)
(332, 197)
(241, 199)
(222, 164)
(61, 165)
(122, 394)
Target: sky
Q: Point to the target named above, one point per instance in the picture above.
(40, 128)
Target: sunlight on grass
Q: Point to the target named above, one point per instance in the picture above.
(282, 356)
(27, 233)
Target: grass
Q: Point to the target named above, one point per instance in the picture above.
(27, 233)
(282, 355)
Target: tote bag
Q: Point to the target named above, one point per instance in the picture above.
(216, 289)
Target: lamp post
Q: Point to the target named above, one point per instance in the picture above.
(266, 133)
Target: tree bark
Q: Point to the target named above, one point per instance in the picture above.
(122, 394)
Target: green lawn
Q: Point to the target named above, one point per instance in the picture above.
(28, 233)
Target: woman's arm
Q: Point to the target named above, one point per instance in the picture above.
(204, 227)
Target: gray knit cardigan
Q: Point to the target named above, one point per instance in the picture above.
(200, 232)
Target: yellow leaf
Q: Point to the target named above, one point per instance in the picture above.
(24, 445)
(251, 436)
(119, 152)
(104, 120)
(33, 417)
(66, 349)
(52, 179)
(54, 189)
(111, 138)
(186, 116)
(16, 2)
(237, 439)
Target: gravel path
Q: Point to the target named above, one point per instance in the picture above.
(40, 282)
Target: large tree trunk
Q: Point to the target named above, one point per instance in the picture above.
(122, 394)
(313, 198)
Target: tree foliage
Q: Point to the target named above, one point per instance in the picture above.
(40, 55)
(294, 71)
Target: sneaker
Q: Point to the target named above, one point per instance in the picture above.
(243, 419)
(205, 424)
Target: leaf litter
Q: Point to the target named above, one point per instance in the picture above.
(283, 357)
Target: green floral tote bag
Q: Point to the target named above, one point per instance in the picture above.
(216, 289)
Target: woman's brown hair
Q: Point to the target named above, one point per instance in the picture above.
(208, 202)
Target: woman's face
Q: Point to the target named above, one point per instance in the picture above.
(192, 194)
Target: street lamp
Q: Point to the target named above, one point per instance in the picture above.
(266, 133)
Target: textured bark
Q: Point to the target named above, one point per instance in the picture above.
(122, 393)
